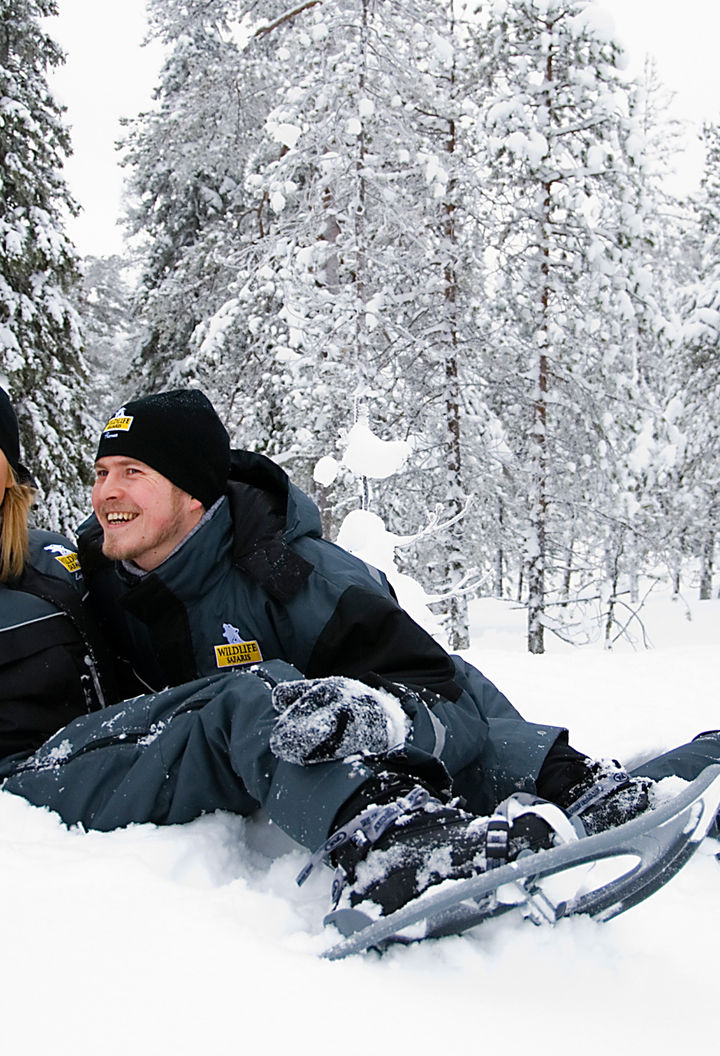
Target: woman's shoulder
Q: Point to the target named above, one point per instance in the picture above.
(48, 550)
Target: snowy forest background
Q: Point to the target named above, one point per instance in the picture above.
(444, 224)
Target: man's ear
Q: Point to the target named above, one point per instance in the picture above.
(195, 504)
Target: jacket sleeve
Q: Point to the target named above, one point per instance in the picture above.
(458, 715)
(368, 631)
(368, 635)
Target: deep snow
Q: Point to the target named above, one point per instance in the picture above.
(196, 938)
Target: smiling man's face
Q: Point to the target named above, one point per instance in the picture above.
(142, 514)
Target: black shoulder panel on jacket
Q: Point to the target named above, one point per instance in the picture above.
(55, 590)
(276, 568)
(257, 515)
(369, 632)
(16, 644)
(259, 549)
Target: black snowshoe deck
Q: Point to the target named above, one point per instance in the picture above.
(643, 854)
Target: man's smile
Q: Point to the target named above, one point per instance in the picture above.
(117, 517)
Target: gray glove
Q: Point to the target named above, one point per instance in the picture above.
(331, 718)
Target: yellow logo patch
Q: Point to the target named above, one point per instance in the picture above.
(119, 424)
(237, 653)
(69, 561)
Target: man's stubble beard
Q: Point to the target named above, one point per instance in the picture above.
(172, 530)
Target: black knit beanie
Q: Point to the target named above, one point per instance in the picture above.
(179, 435)
(10, 439)
(9, 435)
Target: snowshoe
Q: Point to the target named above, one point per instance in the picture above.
(600, 875)
(427, 842)
(392, 852)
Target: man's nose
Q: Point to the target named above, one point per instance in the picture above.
(108, 486)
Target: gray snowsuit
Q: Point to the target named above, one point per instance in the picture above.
(169, 757)
(253, 591)
(47, 664)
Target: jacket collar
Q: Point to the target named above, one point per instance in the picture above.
(197, 561)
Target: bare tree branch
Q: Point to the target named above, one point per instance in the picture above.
(264, 30)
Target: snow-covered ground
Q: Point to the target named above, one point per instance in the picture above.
(196, 939)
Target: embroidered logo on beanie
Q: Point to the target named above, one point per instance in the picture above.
(120, 422)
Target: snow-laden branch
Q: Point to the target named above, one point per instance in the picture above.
(465, 587)
(287, 17)
(433, 527)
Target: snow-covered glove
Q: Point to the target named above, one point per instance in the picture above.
(332, 718)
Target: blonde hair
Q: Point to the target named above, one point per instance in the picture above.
(14, 532)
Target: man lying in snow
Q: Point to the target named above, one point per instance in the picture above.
(207, 572)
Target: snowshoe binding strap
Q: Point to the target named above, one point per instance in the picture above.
(524, 805)
(607, 784)
(368, 826)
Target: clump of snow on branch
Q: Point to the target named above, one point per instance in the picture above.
(364, 534)
(326, 471)
(367, 455)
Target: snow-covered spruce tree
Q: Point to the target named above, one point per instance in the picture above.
(562, 193)
(40, 349)
(326, 185)
(362, 253)
(628, 526)
(242, 349)
(104, 299)
(186, 162)
(455, 451)
(701, 369)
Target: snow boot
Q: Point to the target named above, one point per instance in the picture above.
(394, 850)
(606, 797)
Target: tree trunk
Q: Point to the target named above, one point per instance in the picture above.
(613, 566)
(362, 345)
(538, 514)
(706, 567)
(539, 455)
(500, 555)
(459, 635)
(567, 577)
